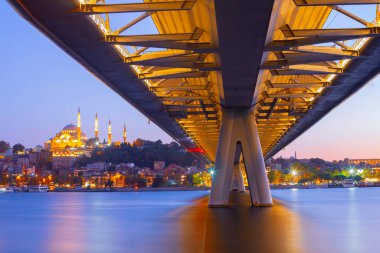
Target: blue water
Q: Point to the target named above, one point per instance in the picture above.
(325, 220)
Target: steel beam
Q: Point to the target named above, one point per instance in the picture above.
(185, 107)
(291, 95)
(344, 33)
(133, 22)
(272, 128)
(178, 41)
(275, 123)
(306, 70)
(204, 109)
(317, 36)
(276, 117)
(173, 73)
(353, 16)
(201, 112)
(271, 107)
(127, 39)
(296, 85)
(181, 63)
(334, 2)
(167, 55)
(197, 121)
(294, 104)
(196, 47)
(179, 88)
(270, 111)
(136, 7)
(182, 98)
(303, 58)
(325, 50)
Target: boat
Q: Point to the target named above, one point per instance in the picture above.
(9, 190)
(16, 189)
(2, 190)
(39, 188)
(348, 183)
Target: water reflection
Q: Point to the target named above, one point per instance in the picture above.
(330, 220)
(241, 228)
(67, 230)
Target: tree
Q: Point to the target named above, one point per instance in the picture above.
(326, 176)
(339, 177)
(158, 181)
(303, 180)
(142, 156)
(141, 182)
(18, 148)
(189, 179)
(202, 179)
(358, 178)
(4, 146)
(128, 180)
(274, 176)
(77, 180)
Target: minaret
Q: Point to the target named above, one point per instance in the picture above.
(79, 133)
(109, 133)
(125, 134)
(96, 127)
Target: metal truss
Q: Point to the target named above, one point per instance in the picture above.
(302, 63)
(177, 72)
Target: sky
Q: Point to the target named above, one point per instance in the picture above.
(41, 88)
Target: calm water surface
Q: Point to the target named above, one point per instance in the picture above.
(324, 220)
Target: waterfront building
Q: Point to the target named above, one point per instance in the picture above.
(35, 157)
(66, 138)
(61, 161)
(373, 162)
(71, 142)
(79, 172)
(22, 164)
(96, 167)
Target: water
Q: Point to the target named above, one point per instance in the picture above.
(325, 220)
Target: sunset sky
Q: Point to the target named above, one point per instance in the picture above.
(42, 87)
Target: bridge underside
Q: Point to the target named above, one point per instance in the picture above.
(221, 77)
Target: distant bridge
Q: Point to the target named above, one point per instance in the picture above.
(221, 77)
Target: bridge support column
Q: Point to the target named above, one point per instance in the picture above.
(239, 134)
(237, 178)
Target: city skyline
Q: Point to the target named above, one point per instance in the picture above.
(51, 85)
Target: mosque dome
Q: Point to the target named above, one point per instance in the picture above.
(70, 127)
(38, 148)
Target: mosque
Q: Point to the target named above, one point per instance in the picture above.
(71, 141)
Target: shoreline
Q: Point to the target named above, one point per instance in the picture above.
(158, 189)
(148, 189)
(195, 188)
